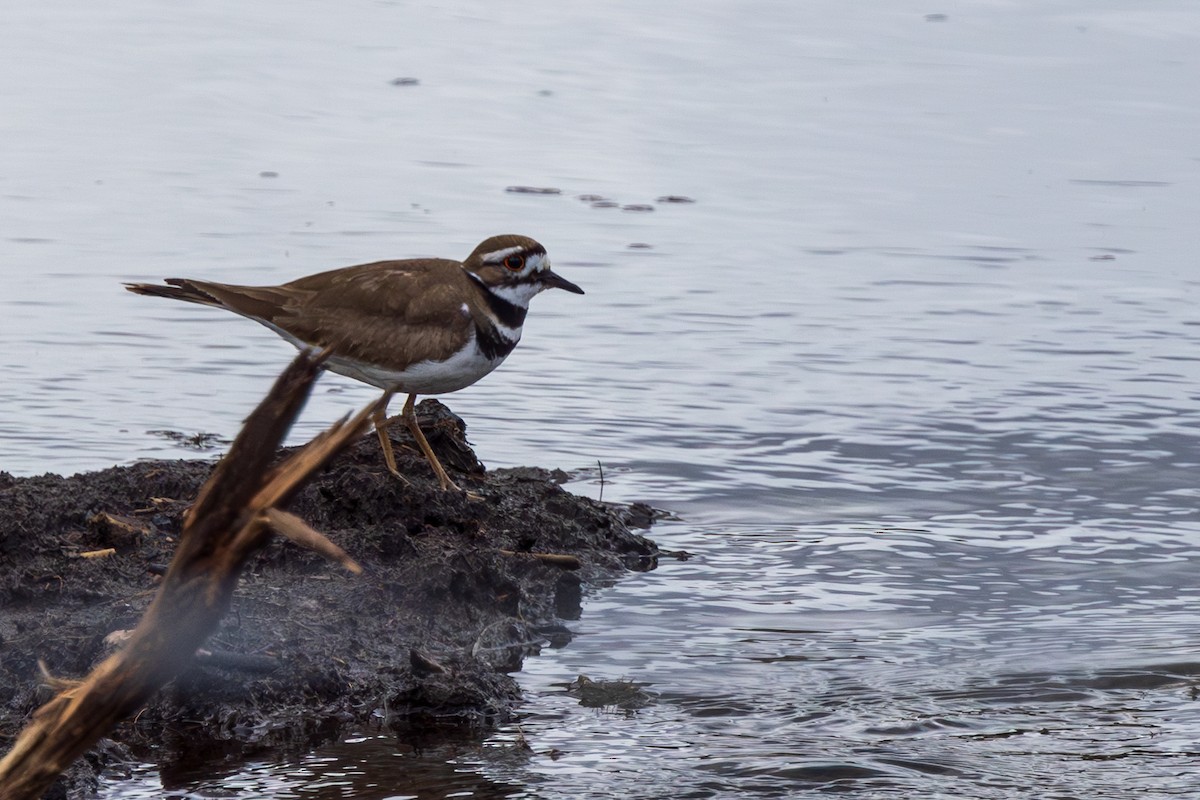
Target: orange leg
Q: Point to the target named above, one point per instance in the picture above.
(379, 418)
(410, 419)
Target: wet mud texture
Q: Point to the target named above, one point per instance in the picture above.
(427, 634)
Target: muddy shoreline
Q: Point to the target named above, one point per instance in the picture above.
(451, 600)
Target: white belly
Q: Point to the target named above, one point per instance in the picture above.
(425, 377)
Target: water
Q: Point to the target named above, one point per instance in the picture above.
(917, 371)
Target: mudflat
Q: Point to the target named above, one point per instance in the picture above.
(457, 589)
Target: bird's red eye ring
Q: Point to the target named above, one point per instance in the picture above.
(514, 263)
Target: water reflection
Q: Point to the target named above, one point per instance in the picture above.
(1003, 682)
(369, 766)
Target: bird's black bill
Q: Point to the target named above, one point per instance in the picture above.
(554, 280)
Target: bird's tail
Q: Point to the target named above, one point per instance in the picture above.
(176, 289)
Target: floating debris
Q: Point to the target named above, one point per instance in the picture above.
(196, 441)
(625, 695)
(592, 198)
(405, 82)
(1121, 183)
(605, 204)
(640, 246)
(267, 173)
(637, 207)
(674, 198)
(532, 190)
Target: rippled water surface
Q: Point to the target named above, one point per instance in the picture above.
(917, 371)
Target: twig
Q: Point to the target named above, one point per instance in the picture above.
(229, 521)
(297, 530)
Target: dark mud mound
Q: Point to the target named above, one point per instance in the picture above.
(452, 598)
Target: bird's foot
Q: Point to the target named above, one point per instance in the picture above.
(392, 469)
(450, 486)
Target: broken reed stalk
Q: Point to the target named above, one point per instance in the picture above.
(233, 517)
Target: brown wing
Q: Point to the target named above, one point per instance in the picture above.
(394, 341)
(384, 287)
(389, 313)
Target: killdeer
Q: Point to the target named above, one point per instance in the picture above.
(418, 326)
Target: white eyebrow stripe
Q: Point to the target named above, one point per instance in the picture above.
(496, 256)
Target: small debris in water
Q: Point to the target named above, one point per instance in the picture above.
(267, 173)
(936, 17)
(637, 207)
(196, 441)
(532, 190)
(1121, 183)
(605, 204)
(640, 246)
(625, 695)
(405, 82)
(591, 198)
(678, 555)
(674, 198)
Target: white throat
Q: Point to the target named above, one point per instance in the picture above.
(519, 294)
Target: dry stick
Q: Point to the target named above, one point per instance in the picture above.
(108, 551)
(229, 521)
(291, 527)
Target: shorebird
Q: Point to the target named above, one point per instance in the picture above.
(418, 326)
